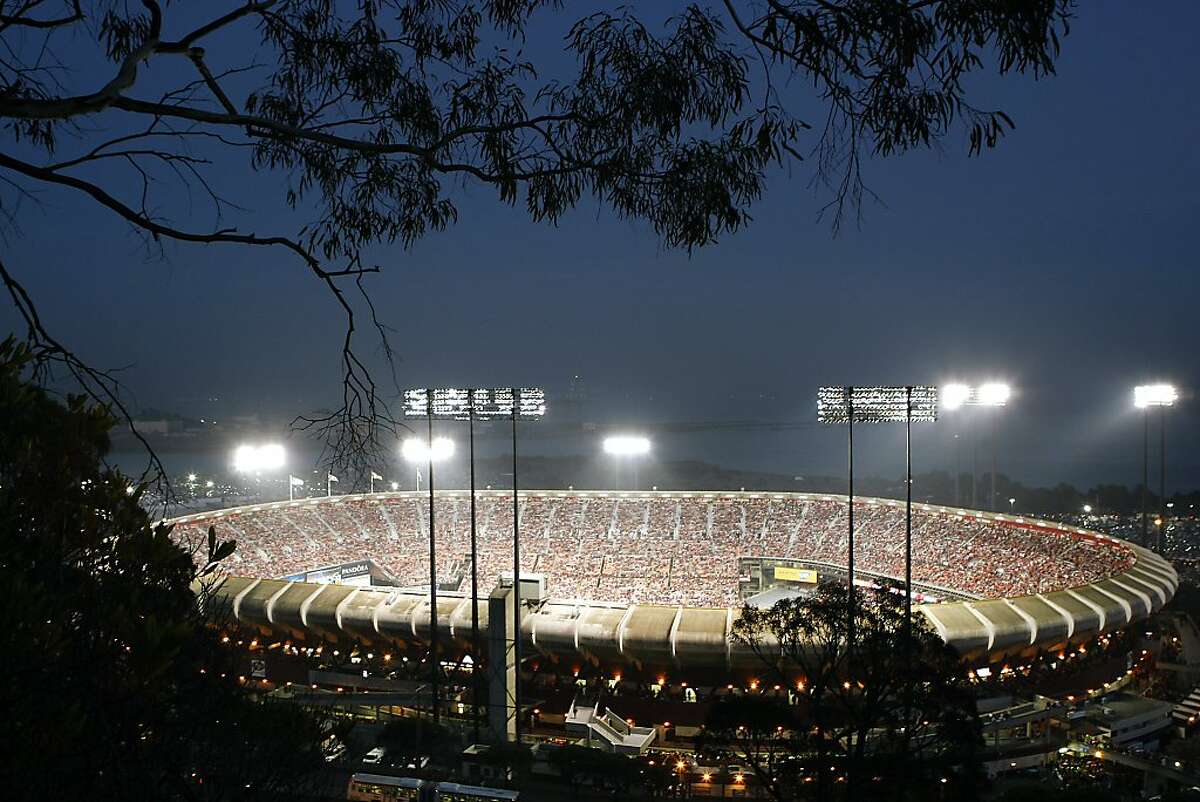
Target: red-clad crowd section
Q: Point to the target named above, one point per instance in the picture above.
(657, 548)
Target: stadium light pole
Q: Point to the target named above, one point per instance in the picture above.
(531, 403)
(1162, 396)
(475, 675)
(434, 659)
(429, 451)
(879, 405)
(990, 394)
(468, 405)
(850, 405)
(957, 471)
(626, 445)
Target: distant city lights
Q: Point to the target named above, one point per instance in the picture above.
(626, 445)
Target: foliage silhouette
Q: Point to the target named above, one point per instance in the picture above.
(361, 120)
(859, 721)
(118, 686)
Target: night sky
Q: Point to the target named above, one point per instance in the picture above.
(1064, 262)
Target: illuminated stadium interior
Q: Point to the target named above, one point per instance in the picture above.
(658, 579)
(662, 548)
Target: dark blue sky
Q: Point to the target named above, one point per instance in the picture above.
(1064, 262)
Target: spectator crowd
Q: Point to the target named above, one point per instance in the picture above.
(654, 548)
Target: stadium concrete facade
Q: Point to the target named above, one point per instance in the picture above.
(1079, 582)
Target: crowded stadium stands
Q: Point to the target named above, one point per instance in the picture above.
(656, 548)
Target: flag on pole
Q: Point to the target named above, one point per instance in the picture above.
(295, 481)
(331, 478)
(376, 477)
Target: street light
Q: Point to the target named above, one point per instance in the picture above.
(1144, 397)
(626, 446)
(988, 394)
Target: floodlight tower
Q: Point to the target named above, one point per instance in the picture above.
(476, 693)
(254, 459)
(990, 394)
(530, 403)
(905, 405)
(470, 404)
(430, 450)
(626, 445)
(1144, 397)
(879, 405)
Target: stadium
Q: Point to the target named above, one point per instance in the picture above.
(655, 580)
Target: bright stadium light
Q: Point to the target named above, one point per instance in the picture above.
(415, 450)
(1162, 396)
(988, 394)
(245, 459)
(461, 403)
(877, 404)
(256, 459)
(954, 396)
(626, 445)
(1155, 395)
(625, 448)
(994, 394)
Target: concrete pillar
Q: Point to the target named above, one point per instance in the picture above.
(501, 665)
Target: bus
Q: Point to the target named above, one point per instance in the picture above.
(366, 787)
(453, 792)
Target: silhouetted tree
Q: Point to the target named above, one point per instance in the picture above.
(864, 722)
(116, 686)
(361, 117)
